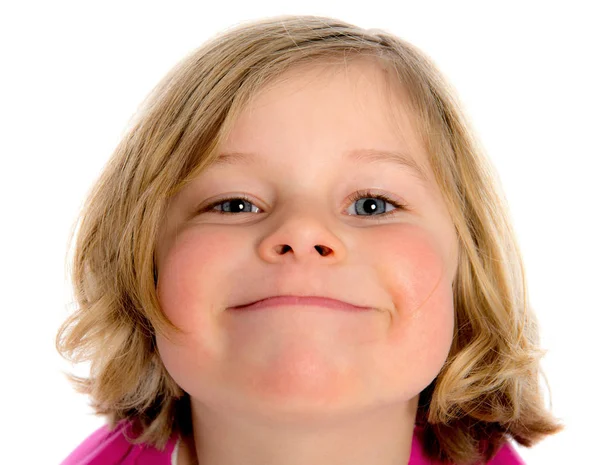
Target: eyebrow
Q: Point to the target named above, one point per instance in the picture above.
(370, 156)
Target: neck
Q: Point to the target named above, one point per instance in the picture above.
(379, 436)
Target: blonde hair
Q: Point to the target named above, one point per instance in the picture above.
(487, 391)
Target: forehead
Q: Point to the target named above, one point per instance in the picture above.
(361, 85)
(353, 110)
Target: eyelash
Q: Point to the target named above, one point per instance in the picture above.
(353, 198)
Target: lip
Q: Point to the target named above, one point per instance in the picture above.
(287, 300)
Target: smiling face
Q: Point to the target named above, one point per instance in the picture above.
(308, 143)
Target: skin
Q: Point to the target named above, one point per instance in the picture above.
(305, 384)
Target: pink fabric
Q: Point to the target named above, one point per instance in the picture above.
(106, 447)
(505, 456)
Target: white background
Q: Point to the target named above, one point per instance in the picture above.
(73, 73)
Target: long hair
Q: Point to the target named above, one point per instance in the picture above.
(488, 390)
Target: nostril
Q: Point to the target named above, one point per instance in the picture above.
(283, 249)
(323, 250)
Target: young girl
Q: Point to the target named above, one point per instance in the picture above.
(299, 254)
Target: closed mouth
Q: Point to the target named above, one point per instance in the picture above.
(278, 301)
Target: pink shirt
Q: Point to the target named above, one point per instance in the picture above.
(104, 447)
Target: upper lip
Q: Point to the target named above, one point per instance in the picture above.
(333, 300)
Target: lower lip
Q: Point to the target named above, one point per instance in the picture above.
(305, 301)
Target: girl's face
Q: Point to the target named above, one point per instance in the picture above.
(305, 146)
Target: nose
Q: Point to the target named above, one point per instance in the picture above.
(301, 237)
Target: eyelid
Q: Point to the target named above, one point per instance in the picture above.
(373, 194)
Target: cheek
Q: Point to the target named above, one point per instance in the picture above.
(416, 269)
(418, 278)
(192, 288)
(189, 273)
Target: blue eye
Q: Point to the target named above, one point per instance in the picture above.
(367, 201)
(235, 205)
(374, 203)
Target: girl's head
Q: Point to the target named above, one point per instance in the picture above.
(306, 156)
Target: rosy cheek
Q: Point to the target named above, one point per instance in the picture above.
(189, 297)
(185, 287)
(419, 281)
(415, 270)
